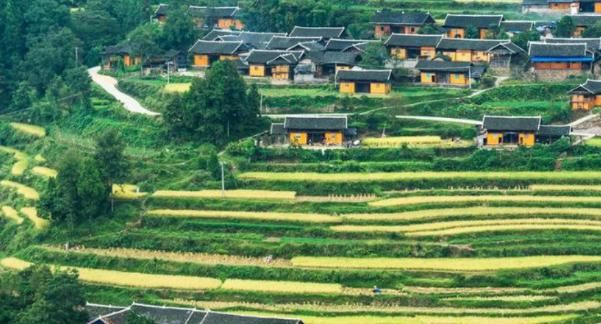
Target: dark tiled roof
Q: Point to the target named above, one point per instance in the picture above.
(505, 123)
(364, 75)
(468, 44)
(509, 46)
(120, 49)
(221, 318)
(336, 44)
(162, 10)
(585, 20)
(277, 129)
(316, 122)
(590, 86)
(285, 42)
(441, 65)
(592, 44)
(478, 21)
(257, 40)
(171, 315)
(270, 57)
(217, 33)
(95, 310)
(307, 46)
(540, 49)
(411, 40)
(535, 3)
(324, 32)
(329, 57)
(517, 26)
(402, 18)
(554, 130)
(213, 12)
(215, 47)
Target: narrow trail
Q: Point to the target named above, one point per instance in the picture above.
(109, 84)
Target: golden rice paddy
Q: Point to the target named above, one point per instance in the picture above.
(228, 194)
(565, 188)
(129, 279)
(271, 216)
(400, 140)
(23, 190)
(11, 214)
(506, 228)
(44, 172)
(177, 87)
(22, 160)
(538, 176)
(416, 200)
(282, 286)
(127, 192)
(442, 264)
(474, 211)
(32, 214)
(29, 129)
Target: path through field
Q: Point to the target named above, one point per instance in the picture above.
(109, 84)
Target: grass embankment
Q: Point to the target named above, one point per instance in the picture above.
(227, 194)
(417, 200)
(28, 129)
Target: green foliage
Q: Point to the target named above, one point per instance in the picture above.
(472, 32)
(523, 38)
(565, 27)
(178, 32)
(593, 31)
(216, 109)
(36, 295)
(374, 56)
(78, 193)
(110, 158)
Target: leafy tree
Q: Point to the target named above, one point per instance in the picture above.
(428, 30)
(36, 295)
(565, 27)
(24, 96)
(178, 32)
(144, 40)
(216, 109)
(522, 39)
(472, 32)
(78, 193)
(110, 157)
(374, 56)
(593, 31)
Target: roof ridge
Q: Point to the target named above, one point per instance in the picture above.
(296, 26)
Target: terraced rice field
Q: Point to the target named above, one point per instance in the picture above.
(481, 199)
(127, 192)
(44, 172)
(32, 214)
(29, 129)
(442, 264)
(177, 87)
(228, 194)
(22, 160)
(23, 190)
(266, 216)
(11, 214)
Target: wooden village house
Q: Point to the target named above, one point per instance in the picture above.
(561, 6)
(325, 33)
(412, 47)
(557, 61)
(457, 25)
(388, 22)
(518, 131)
(113, 56)
(586, 96)
(205, 53)
(375, 82)
(313, 130)
(582, 22)
(279, 65)
(498, 53)
(448, 73)
(206, 17)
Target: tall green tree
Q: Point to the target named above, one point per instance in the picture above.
(374, 56)
(178, 32)
(565, 27)
(110, 157)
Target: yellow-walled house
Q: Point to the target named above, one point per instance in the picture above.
(497, 131)
(388, 22)
(313, 130)
(584, 21)
(206, 17)
(375, 82)
(498, 53)
(411, 46)
(457, 25)
(448, 73)
(112, 55)
(586, 96)
(204, 53)
(279, 65)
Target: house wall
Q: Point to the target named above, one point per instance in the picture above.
(256, 70)
(560, 6)
(228, 57)
(597, 7)
(429, 52)
(280, 72)
(578, 31)
(162, 19)
(201, 60)
(456, 33)
(583, 102)
(380, 88)
(459, 79)
(411, 29)
(333, 138)
(342, 67)
(347, 87)
(382, 30)
(130, 61)
(427, 78)
(577, 66)
(227, 23)
(493, 139)
(398, 53)
(298, 138)
(483, 32)
(526, 139)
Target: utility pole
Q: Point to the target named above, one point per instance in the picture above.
(222, 179)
